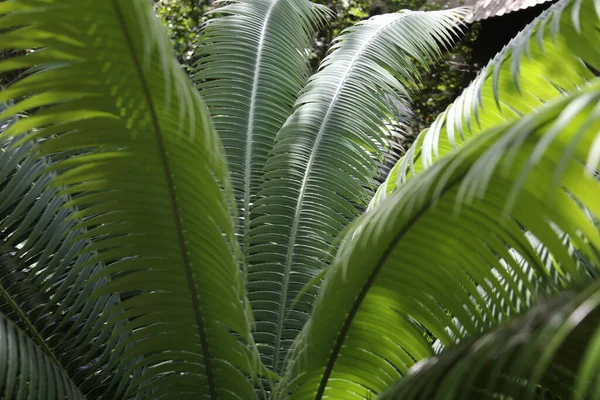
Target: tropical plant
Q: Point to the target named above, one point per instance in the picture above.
(220, 237)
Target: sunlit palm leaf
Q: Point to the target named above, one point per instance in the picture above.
(546, 60)
(321, 164)
(433, 259)
(146, 173)
(253, 63)
(554, 348)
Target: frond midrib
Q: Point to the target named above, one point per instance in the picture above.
(29, 325)
(173, 200)
(249, 131)
(288, 266)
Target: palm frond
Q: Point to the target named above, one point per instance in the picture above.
(44, 290)
(145, 172)
(253, 61)
(544, 61)
(320, 166)
(27, 372)
(553, 349)
(434, 260)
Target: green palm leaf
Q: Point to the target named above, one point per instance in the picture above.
(27, 372)
(145, 172)
(45, 292)
(553, 349)
(321, 165)
(253, 62)
(544, 61)
(433, 260)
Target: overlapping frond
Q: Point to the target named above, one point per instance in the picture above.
(253, 62)
(145, 172)
(551, 350)
(320, 166)
(544, 61)
(434, 260)
(29, 373)
(43, 289)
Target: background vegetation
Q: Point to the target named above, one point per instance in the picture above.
(184, 19)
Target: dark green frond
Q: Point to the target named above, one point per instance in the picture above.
(145, 172)
(321, 164)
(450, 255)
(27, 372)
(553, 350)
(545, 61)
(44, 290)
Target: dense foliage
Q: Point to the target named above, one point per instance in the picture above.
(183, 20)
(221, 234)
